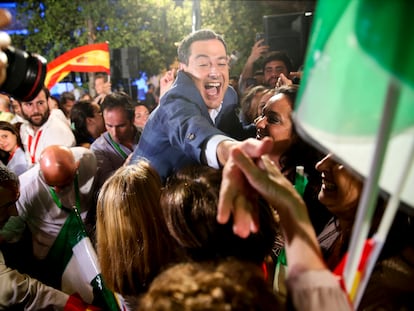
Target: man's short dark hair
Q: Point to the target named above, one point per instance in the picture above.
(102, 75)
(200, 35)
(119, 99)
(278, 56)
(65, 96)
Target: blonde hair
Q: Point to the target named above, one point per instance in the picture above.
(133, 243)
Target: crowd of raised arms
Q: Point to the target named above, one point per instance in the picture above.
(201, 197)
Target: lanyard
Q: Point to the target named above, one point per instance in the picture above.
(117, 147)
(77, 196)
(33, 152)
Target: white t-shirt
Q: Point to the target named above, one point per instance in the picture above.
(38, 209)
(54, 132)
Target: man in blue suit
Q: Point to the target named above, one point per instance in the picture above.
(196, 121)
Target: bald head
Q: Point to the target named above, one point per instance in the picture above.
(58, 166)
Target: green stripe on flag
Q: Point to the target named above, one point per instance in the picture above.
(385, 31)
(345, 82)
(357, 51)
(70, 234)
(103, 295)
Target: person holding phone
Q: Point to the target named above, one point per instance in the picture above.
(259, 49)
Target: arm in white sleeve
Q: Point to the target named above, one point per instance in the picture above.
(210, 152)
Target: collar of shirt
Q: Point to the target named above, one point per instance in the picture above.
(214, 112)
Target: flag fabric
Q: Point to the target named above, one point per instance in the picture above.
(75, 262)
(87, 58)
(349, 63)
(362, 265)
(357, 101)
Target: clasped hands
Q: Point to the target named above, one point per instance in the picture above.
(248, 173)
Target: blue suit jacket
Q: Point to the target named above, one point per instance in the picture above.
(178, 129)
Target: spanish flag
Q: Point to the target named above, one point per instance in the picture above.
(87, 58)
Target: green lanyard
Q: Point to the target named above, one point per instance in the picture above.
(117, 147)
(77, 196)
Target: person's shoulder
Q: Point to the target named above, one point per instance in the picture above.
(56, 123)
(230, 97)
(31, 174)
(183, 87)
(57, 114)
(83, 154)
(24, 128)
(100, 142)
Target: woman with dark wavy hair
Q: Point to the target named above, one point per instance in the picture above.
(290, 150)
(11, 144)
(189, 203)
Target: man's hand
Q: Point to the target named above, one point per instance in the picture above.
(283, 80)
(166, 81)
(258, 50)
(237, 197)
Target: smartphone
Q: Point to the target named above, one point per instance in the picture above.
(259, 36)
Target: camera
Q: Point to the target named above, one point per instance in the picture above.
(26, 74)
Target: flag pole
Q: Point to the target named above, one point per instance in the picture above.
(385, 224)
(369, 195)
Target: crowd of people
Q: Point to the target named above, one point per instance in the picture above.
(191, 200)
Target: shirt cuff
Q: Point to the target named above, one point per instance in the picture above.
(211, 150)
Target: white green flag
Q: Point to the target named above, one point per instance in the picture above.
(75, 258)
(357, 98)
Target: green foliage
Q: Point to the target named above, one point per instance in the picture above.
(155, 26)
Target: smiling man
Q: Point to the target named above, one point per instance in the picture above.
(197, 119)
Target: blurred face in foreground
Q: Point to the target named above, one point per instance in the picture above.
(208, 67)
(340, 190)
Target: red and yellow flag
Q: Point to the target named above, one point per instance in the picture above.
(87, 58)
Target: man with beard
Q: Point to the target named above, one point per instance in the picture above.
(197, 117)
(277, 65)
(277, 68)
(43, 128)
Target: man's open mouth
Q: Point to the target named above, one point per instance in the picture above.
(212, 88)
